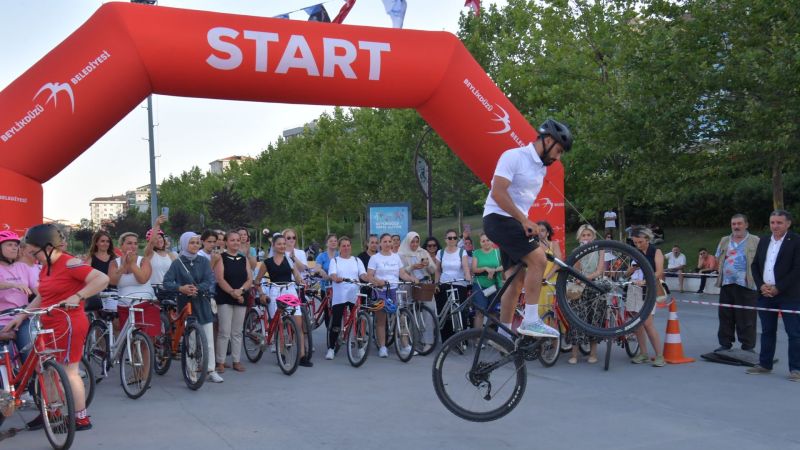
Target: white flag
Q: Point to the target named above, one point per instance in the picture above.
(396, 9)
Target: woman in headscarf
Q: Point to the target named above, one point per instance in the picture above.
(191, 277)
(416, 260)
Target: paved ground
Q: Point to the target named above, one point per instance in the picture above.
(387, 404)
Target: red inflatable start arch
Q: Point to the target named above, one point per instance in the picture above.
(124, 52)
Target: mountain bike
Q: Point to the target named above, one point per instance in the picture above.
(131, 348)
(53, 393)
(480, 375)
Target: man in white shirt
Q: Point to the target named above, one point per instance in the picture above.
(776, 272)
(517, 180)
(676, 262)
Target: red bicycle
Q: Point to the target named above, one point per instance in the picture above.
(260, 331)
(53, 391)
(354, 332)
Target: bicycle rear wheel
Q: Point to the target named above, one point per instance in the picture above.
(96, 349)
(485, 393)
(288, 341)
(162, 346)
(550, 347)
(588, 311)
(87, 376)
(56, 405)
(358, 340)
(194, 358)
(428, 331)
(136, 369)
(253, 335)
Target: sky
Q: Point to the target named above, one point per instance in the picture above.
(189, 131)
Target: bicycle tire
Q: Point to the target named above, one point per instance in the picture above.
(307, 335)
(585, 321)
(97, 350)
(55, 395)
(194, 357)
(425, 320)
(404, 331)
(288, 343)
(162, 346)
(87, 376)
(252, 336)
(609, 345)
(389, 330)
(564, 344)
(453, 364)
(631, 345)
(358, 340)
(132, 374)
(550, 347)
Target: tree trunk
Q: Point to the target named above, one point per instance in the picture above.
(777, 183)
(621, 218)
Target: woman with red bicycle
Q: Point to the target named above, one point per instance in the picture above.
(344, 266)
(385, 269)
(191, 277)
(281, 268)
(17, 285)
(64, 280)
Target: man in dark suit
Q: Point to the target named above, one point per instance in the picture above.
(776, 271)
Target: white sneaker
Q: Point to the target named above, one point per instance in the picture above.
(383, 353)
(407, 349)
(330, 354)
(214, 377)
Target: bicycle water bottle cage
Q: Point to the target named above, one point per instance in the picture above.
(288, 300)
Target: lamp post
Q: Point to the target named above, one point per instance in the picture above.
(422, 168)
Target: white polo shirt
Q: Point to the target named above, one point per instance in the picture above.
(524, 169)
(772, 256)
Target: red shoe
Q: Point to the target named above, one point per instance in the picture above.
(83, 424)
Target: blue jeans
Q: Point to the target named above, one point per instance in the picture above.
(769, 329)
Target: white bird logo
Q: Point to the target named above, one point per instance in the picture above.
(54, 89)
(504, 119)
(547, 203)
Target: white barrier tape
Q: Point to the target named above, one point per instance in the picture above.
(725, 305)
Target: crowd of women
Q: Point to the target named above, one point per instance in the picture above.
(214, 271)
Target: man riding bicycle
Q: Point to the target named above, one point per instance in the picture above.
(517, 180)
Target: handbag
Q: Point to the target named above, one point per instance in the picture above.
(201, 294)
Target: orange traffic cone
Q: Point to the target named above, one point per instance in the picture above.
(673, 349)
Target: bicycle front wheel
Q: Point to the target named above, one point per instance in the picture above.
(96, 349)
(626, 270)
(288, 345)
(306, 330)
(252, 336)
(425, 321)
(404, 335)
(194, 358)
(136, 369)
(162, 345)
(56, 405)
(488, 391)
(550, 347)
(358, 340)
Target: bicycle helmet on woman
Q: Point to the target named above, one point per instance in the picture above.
(47, 237)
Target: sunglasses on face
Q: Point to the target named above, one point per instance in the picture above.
(290, 238)
(452, 238)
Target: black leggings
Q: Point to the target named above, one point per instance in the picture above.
(336, 322)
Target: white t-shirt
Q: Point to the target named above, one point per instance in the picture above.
(674, 262)
(451, 266)
(523, 167)
(350, 268)
(611, 219)
(387, 268)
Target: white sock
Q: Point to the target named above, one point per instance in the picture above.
(503, 332)
(532, 313)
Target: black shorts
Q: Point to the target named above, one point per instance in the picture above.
(509, 235)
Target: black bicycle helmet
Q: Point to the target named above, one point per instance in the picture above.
(47, 237)
(558, 131)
